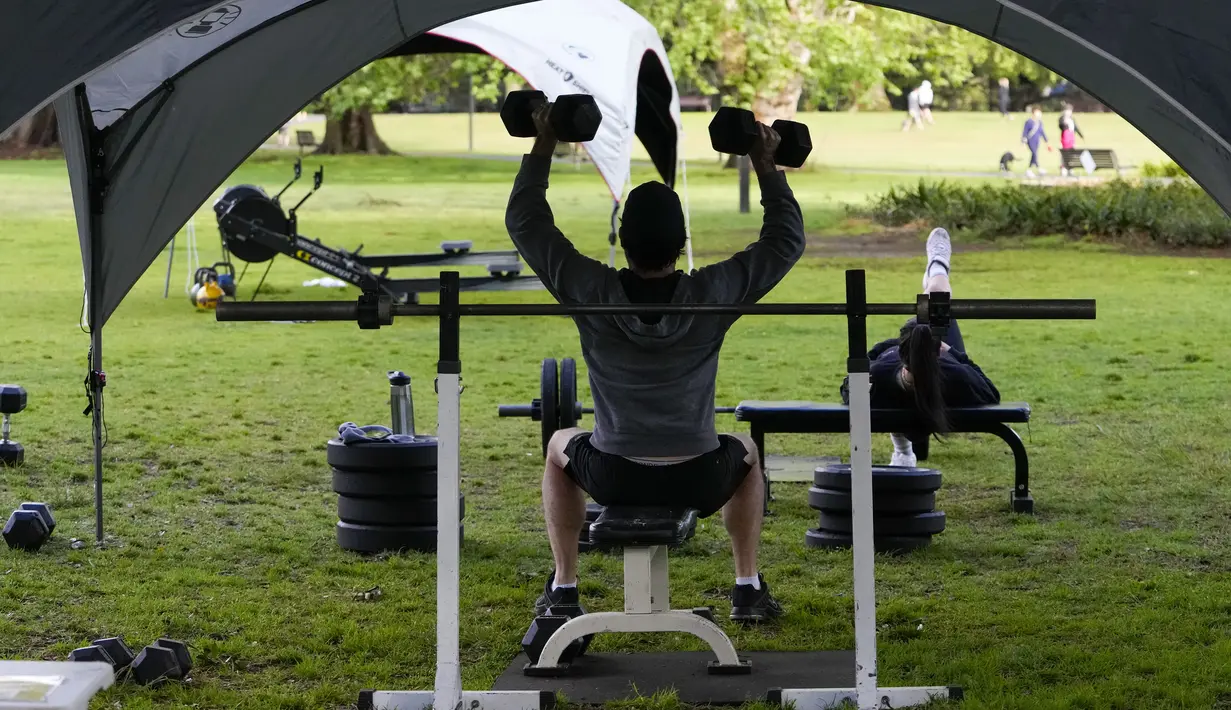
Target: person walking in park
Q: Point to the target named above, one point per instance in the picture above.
(1033, 136)
(925, 100)
(914, 113)
(1069, 131)
(1003, 97)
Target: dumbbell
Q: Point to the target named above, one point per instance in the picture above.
(29, 527)
(574, 117)
(161, 660)
(12, 401)
(112, 651)
(542, 628)
(734, 130)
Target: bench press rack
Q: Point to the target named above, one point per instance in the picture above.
(374, 310)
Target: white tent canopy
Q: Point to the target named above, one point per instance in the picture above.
(597, 47)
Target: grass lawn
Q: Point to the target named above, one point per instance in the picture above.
(962, 141)
(1117, 594)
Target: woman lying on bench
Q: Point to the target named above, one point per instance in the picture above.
(911, 371)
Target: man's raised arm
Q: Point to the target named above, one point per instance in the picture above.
(566, 273)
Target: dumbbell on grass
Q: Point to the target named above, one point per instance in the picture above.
(164, 659)
(574, 117)
(12, 401)
(29, 527)
(110, 650)
(734, 130)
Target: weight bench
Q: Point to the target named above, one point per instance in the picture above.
(645, 534)
(818, 418)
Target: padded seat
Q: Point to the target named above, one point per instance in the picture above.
(629, 526)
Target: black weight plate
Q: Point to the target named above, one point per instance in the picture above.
(820, 539)
(884, 478)
(385, 457)
(240, 208)
(568, 393)
(379, 538)
(404, 511)
(549, 393)
(882, 502)
(360, 484)
(910, 525)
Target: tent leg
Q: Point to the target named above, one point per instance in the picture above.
(166, 288)
(96, 391)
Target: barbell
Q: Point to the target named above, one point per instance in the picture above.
(558, 385)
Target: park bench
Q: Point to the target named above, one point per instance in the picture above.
(820, 418)
(305, 139)
(1103, 159)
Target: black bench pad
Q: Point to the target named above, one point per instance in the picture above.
(628, 526)
(816, 417)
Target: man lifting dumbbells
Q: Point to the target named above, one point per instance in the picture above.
(653, 377)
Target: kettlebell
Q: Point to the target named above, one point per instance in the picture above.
(209, 295)
(192, 293)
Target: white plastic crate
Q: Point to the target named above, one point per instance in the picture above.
(48, 685)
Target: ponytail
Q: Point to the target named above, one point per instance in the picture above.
(921, 355)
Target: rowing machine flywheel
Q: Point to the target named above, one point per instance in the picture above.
(239, 210)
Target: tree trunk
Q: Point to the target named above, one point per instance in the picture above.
(40, 131)
(353, 132)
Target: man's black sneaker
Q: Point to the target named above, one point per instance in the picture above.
(749, 604)
(549, 598)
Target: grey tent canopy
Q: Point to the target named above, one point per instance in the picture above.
(199, 112)
(160, 100)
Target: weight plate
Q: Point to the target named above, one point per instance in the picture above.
(884, 478)
(568, 393)
(385, 457)
(883, 502)
(593, 510)
(238, 210)
(549, 393)
(360, 484)
(378, 538)
(910, 525)
(404, 511)
(820, 539)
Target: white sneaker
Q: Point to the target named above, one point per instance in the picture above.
(939, 250)
(1030, 173)
(903, 460)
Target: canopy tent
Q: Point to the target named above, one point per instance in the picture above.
(195, 107)
(599, 47)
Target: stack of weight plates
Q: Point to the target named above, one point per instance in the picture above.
(386, 495)
(904, 515)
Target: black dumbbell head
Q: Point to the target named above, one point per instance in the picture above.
(121, 655)
(575, 118)
(12, 399)
(25, 530)
(181, 653)
(517, 113)
(44, 512)
(92, 654)
(538, 634)
(733, 130)
(155, 664)
(796, 143)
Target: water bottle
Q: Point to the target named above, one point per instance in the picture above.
(400, 405)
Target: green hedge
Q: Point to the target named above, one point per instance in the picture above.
(1178, 214)
(1163, 169)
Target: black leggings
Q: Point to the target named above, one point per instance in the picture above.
(953, 335)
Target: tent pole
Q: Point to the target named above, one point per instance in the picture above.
(166, 288)
(97, 381)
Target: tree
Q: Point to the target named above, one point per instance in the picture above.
(348, 107)
(37, 132)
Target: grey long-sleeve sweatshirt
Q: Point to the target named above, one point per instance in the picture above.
(652, 382)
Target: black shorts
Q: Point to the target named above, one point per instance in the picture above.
(706, 482)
